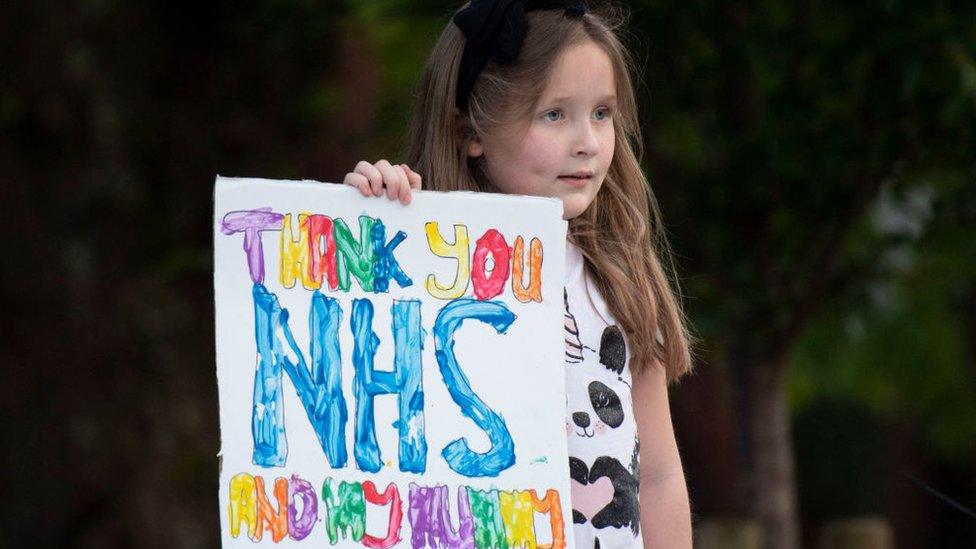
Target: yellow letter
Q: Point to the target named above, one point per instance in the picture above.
(295, 260)
(458, 251)
(517, 512)
(242, 505)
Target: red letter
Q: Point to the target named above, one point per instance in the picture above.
(492, 242)
(392, 496)
(322, 250)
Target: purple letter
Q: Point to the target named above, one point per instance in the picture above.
(430, 518)
(299, 527)
(252, 223)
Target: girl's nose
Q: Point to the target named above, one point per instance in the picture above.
(586, 141)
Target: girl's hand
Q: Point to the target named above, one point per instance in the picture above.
(370, 179)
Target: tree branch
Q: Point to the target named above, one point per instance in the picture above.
(822, 262)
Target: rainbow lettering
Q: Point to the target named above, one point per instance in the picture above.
(487, 282)
(486, 518)
(322, 252)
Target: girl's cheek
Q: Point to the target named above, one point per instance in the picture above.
(609, 143)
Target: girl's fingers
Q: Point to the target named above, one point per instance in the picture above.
(391, 178)
(404, 195)
(373, 174)
(359, 181)
(402, 185)
(413, 177)
(394, 186)
(397, 181)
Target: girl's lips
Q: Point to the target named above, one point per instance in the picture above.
(575, 180)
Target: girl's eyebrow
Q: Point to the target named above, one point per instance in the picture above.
(605, 99)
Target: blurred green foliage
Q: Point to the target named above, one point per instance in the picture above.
(904, 344)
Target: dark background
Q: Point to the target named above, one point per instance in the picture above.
(814, 162)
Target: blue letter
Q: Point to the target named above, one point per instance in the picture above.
(386, 264)
(459, 456)
(320, 391)
(405, 380)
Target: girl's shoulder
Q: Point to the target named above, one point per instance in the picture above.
(581, 290)
(589, 321)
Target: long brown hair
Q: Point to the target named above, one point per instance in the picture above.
(620, 234)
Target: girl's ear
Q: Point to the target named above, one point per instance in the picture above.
(475, 147)
(467, 135)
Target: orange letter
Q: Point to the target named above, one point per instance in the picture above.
(550, 504)
(275, 521)
(534, 290)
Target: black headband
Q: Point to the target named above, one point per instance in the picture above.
(495, 29)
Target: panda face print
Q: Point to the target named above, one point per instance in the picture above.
(597, 409)
(613, 350)
(606, 404)
(604, 411)
(600, 427)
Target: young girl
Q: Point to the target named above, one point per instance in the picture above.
(535, 98)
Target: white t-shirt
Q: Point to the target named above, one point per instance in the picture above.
(602, 434)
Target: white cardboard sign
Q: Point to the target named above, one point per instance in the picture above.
(389, 376)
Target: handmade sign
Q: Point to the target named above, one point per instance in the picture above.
(389, 375)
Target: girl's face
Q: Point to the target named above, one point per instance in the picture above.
(565, 150)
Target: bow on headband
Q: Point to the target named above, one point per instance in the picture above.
(495, 29)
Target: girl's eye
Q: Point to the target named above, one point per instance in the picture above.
(553, 115)
(602, 113)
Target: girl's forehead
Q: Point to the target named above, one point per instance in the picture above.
(581, 71)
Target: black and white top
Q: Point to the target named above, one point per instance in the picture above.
(603, 444)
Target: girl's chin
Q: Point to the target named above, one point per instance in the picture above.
(574, 206)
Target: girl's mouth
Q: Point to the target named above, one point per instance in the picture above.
(579, 179)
